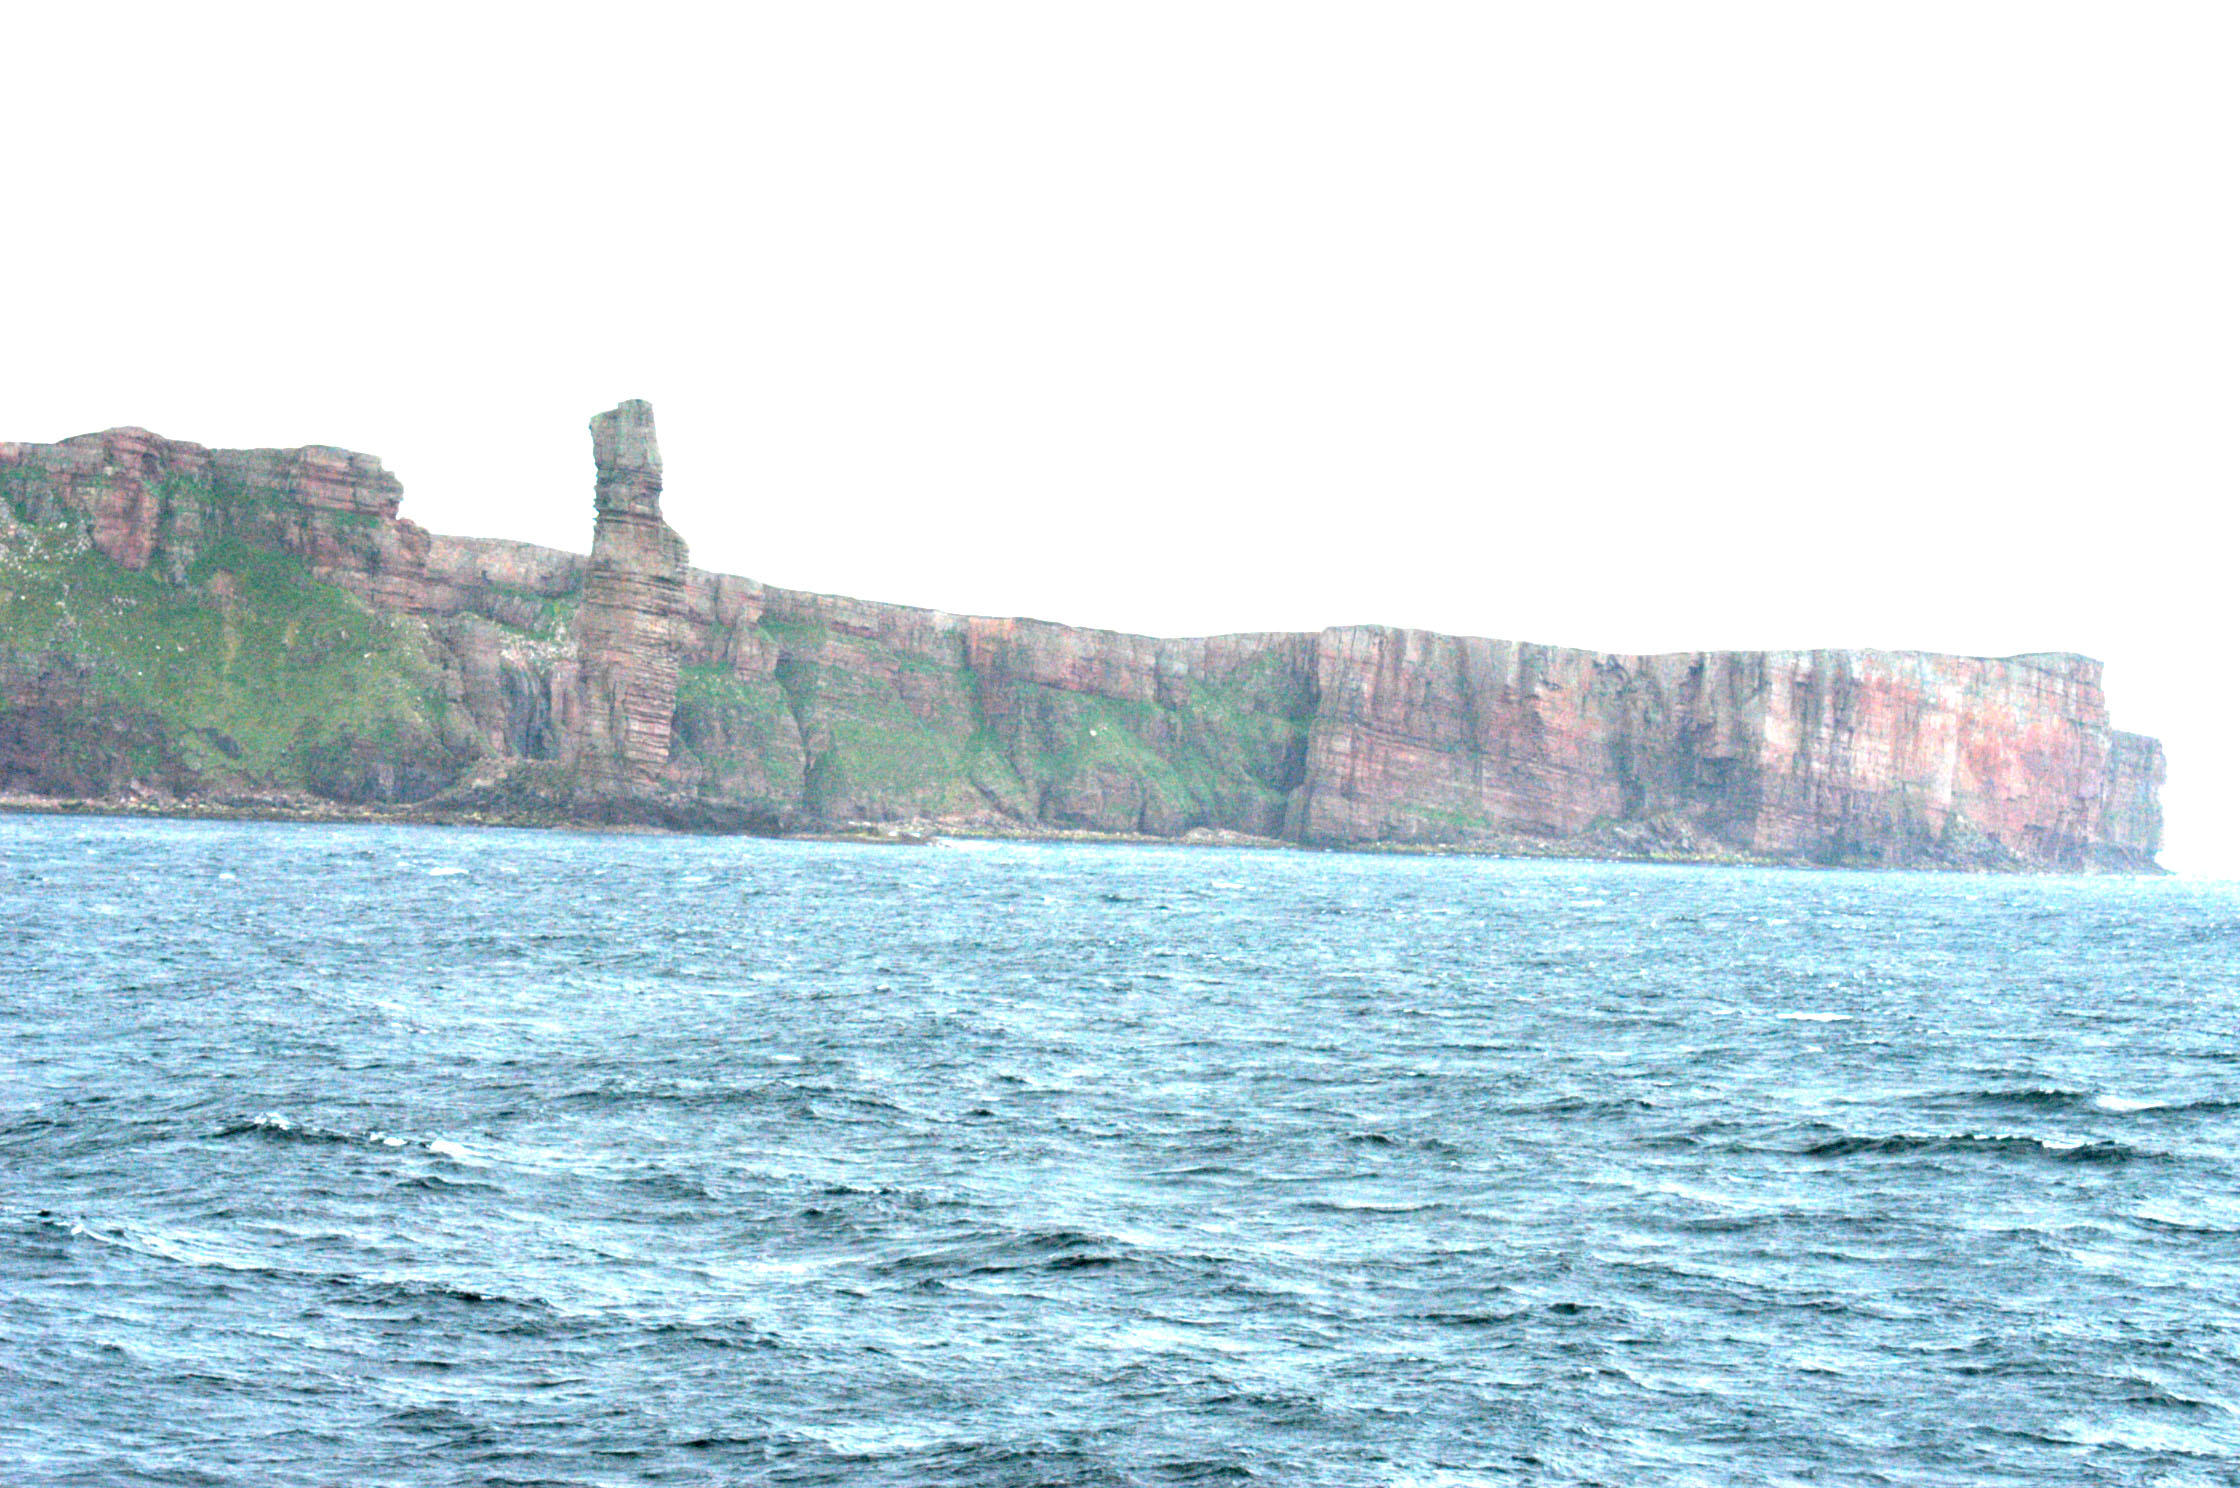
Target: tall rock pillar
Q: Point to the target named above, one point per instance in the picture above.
(633, 601)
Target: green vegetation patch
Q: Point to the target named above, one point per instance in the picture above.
(1239, 729)
(17, 486)
(743, 733)
(258, 670)
(1119, 765)
(794, 635)
(1272, 685)
(1447, 823)
(872, 753)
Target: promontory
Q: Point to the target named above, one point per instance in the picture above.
(186, 629)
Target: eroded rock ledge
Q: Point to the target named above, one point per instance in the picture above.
(257, 630)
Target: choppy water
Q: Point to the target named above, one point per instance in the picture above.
(421, 1156)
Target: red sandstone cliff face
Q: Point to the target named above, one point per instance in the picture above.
(145, 500)
(628, 686)
(1835, 756)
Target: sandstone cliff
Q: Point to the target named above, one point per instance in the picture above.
(182, 626)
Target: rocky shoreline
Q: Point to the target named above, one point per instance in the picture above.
(204, 632)
(927, 834)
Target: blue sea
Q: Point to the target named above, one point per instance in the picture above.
(369, 1155)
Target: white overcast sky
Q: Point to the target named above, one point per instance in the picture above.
(1639, 327)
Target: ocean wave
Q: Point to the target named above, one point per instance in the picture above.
(660, 1183)
(2062, 1098)
(437, 1183)
(1572, 1105)
(394, 1290)
(273, 1127)
(2029, 1097)
(716, 1333)
(1370, 1206)
(1998, 1145)
(2165, 1217)
(1471, 1318)
(182, 1250)
(1041, 1250)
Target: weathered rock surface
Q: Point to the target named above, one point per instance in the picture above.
(184, 625)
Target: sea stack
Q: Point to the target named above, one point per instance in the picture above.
(633, 599)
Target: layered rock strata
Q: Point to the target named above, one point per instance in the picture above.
(633, 602)
(181, 625)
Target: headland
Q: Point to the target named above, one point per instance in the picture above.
(196, 631)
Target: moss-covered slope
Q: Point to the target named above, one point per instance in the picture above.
(245, 677)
